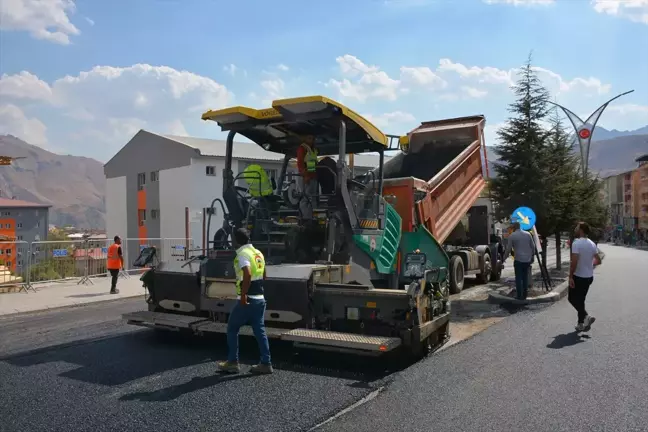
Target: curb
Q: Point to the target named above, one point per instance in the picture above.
(70, 306)
(556, 294)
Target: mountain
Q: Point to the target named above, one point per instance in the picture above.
(610, 152)
(75, 186)
(601, 134)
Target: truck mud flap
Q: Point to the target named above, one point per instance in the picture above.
(344, 341)
(162, 320)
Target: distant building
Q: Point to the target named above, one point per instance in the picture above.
(626, 195)
(153, 178)
(20, 221)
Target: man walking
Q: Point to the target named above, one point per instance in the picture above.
(249, 265)
(114, 263)
(524, 247)
(584, 257)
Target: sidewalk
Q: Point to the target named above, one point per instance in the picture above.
(57, 295)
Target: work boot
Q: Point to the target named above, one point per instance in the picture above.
(262, 368)
(228, 367)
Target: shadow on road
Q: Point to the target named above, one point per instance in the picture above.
(567, 339)
(117, 360)
(174, 392)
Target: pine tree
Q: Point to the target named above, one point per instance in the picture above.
(521, 170)
(561, 182)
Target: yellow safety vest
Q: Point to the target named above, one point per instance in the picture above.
(311, 158)
(258, 180)
(257, 268)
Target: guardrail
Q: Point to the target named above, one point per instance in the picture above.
(25, 265)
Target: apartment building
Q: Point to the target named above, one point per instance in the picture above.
(158, 185)
(20, 221)
(626, 195)
(642, 194)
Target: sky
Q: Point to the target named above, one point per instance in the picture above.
(82, 77)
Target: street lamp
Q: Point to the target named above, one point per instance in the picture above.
(585, 129)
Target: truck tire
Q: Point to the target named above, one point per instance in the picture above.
(485, 276)
(497, 268)
(456, 274)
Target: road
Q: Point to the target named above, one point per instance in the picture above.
(82, 369)
(532, 372)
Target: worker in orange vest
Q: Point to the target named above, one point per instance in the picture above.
(115, 263)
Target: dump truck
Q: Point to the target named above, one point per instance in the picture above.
(366, 273)
(438, 183)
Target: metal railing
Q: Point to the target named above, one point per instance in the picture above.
(25, 265)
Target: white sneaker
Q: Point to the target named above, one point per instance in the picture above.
(587, 324)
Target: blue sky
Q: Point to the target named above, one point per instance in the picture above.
(83, 76)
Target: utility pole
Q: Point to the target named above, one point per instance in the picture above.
(585, 129)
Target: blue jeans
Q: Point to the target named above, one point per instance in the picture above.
(521, 278)
(252, 315)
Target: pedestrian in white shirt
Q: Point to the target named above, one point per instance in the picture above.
(584, 257)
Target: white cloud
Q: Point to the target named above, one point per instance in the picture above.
(24, 86)
(43, 19)
(422, 76)
(488, 75)
(633, 10)
(473, 92)
(230, 69)
(283, 67)
(14, 121)
(362, 82)
(390, 119)
(521, 2)
(176, 127)
(274, 89)
(114, 102)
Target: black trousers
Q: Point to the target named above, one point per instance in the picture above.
(578, 294)
(114, 274)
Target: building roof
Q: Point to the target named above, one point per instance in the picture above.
(211, 147)
(7, 202)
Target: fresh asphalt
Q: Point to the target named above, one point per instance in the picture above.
(83, 369)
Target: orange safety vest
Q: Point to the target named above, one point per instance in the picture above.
(113, 262)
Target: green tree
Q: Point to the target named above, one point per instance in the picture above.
(561, 182)
(522, 167)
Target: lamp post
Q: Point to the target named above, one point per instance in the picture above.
(585, 129)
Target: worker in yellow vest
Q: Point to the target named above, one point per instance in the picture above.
(249, 265)
(307, 166)
(258, 181)
(114, 263)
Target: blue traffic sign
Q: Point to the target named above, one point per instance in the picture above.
(59, 253)
(525, 216)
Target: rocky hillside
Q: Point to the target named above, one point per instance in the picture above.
(75, 186)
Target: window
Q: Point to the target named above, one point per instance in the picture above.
(155, 214)
(20, 262)
(6, 213)
(19, 225)
(20, 238)
(155, 176)
(7, 225)
(8, 251)
(210, 170)
(141, 181)
(141, 215)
